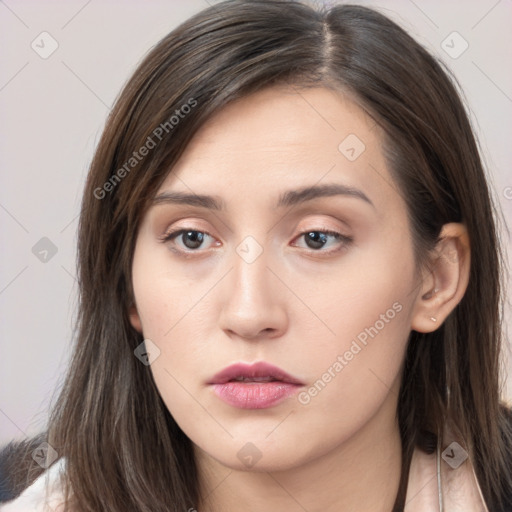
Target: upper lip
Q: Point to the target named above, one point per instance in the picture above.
(255, 370)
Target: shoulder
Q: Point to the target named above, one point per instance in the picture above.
(43, 495)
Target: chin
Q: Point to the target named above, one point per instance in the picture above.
(261, 455)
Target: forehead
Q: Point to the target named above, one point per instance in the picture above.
(281, 137)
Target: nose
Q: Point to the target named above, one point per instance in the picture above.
(253, 306)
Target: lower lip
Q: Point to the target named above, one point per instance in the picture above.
(254, 395)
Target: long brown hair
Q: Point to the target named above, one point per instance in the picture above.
(122, 447)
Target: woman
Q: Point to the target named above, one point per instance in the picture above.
(289, 281)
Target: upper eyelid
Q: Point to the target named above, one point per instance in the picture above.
(318, 224)
(178, 230)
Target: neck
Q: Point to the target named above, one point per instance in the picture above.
(361, 474)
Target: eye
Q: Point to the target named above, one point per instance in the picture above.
(191, 239)
(317, 239)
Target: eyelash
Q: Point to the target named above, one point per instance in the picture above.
(344, 239)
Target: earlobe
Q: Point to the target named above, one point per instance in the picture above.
(446, 280)
(135, 319)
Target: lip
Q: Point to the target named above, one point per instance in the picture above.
(265, 385)
(255, 370)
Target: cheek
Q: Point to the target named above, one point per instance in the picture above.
(166, 293)
(366, 310)
(367, 330)
(174, 316)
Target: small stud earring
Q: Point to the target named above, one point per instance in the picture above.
(434, 319)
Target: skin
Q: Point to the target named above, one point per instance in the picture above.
(297, 305)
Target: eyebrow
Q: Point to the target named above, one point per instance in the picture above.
(286, 199)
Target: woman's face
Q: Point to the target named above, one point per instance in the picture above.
(299, 258)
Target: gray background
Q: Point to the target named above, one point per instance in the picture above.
(53, 109)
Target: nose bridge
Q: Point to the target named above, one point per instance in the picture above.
(252, 304)
(250, 270)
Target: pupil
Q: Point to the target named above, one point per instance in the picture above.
(195, 237)
(314, 236)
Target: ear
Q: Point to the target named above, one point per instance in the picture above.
(445, 281)
(135, 318)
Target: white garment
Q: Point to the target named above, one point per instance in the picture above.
(44, 495)
(458, 488)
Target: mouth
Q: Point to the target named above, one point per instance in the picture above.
(257, 372)
(255, 386)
